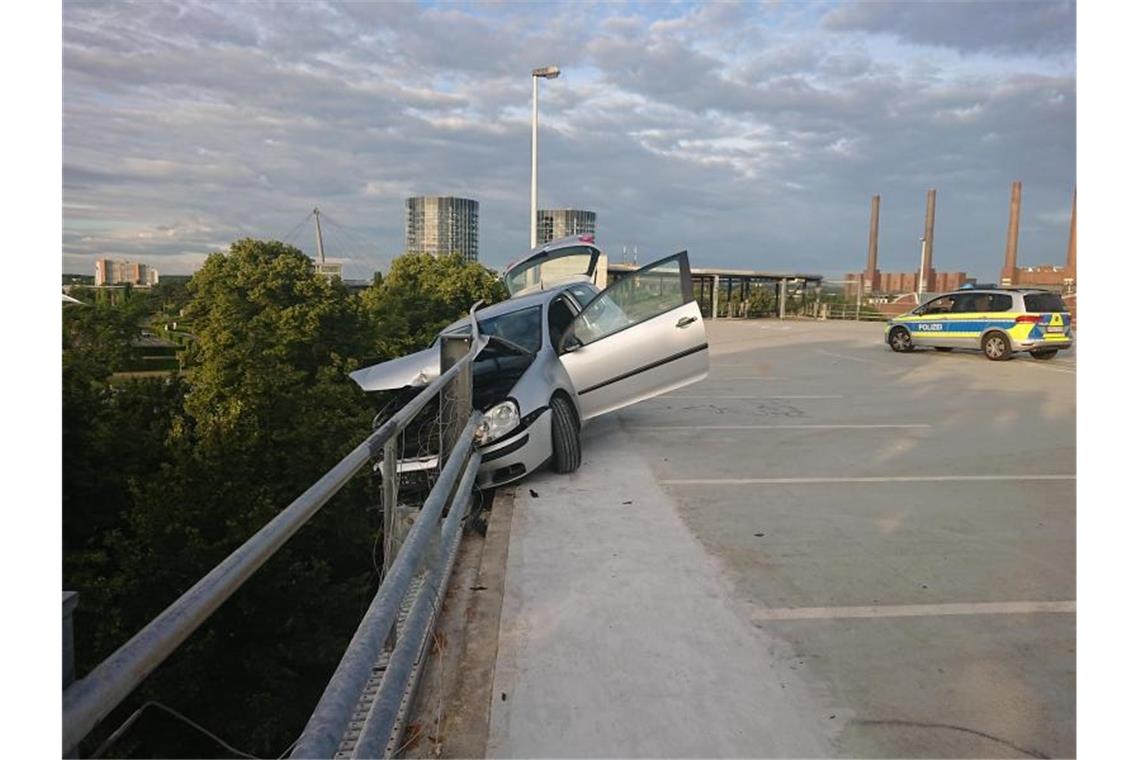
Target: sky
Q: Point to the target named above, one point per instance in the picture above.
(753, 135)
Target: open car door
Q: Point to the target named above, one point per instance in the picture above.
(639, 338)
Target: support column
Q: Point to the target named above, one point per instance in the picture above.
(783, 296)
(715, 294)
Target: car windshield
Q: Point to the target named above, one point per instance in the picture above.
(522, 328)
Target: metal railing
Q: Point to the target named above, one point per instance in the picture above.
(89, 700)
(851, 312)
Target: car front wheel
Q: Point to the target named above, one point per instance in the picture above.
(564, 433)
(900, 340)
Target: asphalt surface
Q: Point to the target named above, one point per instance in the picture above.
(824, 549)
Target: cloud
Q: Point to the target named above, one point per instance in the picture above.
(753, 135)
(1004, 28)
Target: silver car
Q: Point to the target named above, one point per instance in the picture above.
(560, 353)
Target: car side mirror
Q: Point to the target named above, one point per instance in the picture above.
(569, 344)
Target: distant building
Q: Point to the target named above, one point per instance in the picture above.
(111, 272)
(328, 269)
(897, 283)
(442, 224)
(563, 222)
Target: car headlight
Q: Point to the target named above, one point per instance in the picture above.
(497, 422)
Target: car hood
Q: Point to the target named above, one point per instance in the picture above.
(416, 370)
(419, 369)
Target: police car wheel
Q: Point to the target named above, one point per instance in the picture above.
(900, 340)
(1044, 354)
(996, 347)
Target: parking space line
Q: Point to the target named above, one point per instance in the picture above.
(871, 479)
(913, 610)
(917, 425)
(690, 398)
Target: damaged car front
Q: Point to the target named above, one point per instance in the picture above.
(514, 379)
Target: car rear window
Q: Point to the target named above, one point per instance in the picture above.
(1042, 302)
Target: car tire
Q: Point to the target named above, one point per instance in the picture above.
(943, 348)
(996, 346)
(564, 436)
(900, 340)
(1044, 354)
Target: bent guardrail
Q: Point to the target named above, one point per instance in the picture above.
(89, 699)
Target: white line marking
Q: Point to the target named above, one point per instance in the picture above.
(913, 610)
(689, 398)
(884, 479)
(852, 358)
(781, 427)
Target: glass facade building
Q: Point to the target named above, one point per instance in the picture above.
(442, 224)
(563, 222)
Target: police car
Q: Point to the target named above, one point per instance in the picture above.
(997, 321)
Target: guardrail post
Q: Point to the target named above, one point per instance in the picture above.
(70, 600)
(455, 401)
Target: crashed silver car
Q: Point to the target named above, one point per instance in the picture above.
(559, 352)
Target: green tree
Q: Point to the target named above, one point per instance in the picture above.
(423, 293)
(268, 411)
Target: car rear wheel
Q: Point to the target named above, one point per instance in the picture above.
(996, 346)
(900, 340)
(943, 348)
(564, 433)
(1044, 354)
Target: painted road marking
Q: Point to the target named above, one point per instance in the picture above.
(784, 427)
(913, 610)
(873, 479)
(690, 398)
(853, 358)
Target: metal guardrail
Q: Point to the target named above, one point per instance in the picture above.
(89, 700)
(851, 312)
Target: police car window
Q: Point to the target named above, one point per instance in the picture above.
(1001, 302)
(939, 305)
(1044, 302)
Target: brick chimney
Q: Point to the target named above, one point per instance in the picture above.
(1071, 259)
(928, 248)
(871, 276)
(1009, 271)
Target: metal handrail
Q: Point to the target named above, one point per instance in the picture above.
(326, 726)
(89, 700)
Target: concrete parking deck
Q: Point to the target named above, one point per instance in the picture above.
(824, 549)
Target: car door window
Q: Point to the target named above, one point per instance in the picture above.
(559, 317)
(640, 296)
(938, 306)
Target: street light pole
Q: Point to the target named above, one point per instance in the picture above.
(546, 72)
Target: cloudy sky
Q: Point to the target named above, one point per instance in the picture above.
(754, 135)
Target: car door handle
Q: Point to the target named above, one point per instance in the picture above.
(686, 321)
